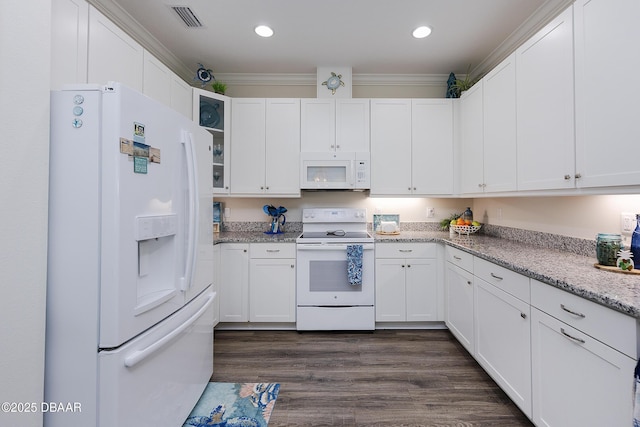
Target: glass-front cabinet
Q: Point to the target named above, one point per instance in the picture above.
(212, 111)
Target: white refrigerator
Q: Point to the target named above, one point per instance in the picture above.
(129, 333)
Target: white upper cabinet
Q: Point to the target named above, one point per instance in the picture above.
(265, 147)
(411, 146)
(545, 113)
(181, 96)
(471, 140)
(113, 55)
(499, 118)
(69, 26)
(432, 162)
(156, 81)
(391, 146)
(606, 51)
(330, 125)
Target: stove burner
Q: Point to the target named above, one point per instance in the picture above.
(339, 233)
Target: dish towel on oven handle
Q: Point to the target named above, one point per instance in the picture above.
(354, 264)
(636, 397)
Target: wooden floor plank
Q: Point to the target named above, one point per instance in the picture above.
(381, 378)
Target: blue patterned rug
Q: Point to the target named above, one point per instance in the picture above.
(234, 405)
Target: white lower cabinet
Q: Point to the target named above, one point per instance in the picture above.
(406, 282)
(579, 380)
(272, 282)
(503, 341)
(234, 282)
(459, 305)
(257, 282)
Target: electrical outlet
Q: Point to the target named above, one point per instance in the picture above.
(499, 213)
(627, 223)
(227, 213)
(431, 212)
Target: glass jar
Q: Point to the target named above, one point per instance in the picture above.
(607, 247)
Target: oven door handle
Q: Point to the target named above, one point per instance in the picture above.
(331, 247)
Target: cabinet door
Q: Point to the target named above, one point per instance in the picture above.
(234, 282)
(577, 380)
(459, 305)
(318, 125)
(421, 290)
(503, 341)
(181, 96)
(545, 114)
(390, 290)
(432, 146)
(217, 278)
(247, 145)
(272, 290)
(391, 146)
(499, 112)
(69, 29)
(282, 154)
(113, 55)
(471, 141)
(352, 125)
(156, 79)
(606, 36)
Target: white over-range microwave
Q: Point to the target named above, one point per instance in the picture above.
(335, 171)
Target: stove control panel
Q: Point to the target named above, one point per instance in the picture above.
(334, 215)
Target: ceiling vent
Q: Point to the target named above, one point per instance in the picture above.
(187, 16)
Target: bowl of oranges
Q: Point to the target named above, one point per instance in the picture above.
(464, 226)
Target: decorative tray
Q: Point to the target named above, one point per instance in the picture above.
(615, 269)
(388, 233)
(465, 229)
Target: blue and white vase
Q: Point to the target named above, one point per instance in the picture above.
(635, 242)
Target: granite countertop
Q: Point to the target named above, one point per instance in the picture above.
(565, 270)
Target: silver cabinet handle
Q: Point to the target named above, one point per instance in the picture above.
(572, 312)
(468, 282)
(496, 277)
(580, 340)
(567, 177)
(578, 176)
(523, 315)
(273, 250)
(405, 250)
(457, 257)
(409, 265)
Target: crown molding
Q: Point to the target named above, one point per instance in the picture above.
(309, 79)
(541, 17)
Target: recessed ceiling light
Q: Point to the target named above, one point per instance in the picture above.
(421, 32)
(263, 31)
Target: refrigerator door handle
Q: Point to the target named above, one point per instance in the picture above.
(192, 177)
(139, 355)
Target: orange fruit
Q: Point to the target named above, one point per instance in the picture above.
(460, 221)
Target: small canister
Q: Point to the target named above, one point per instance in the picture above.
(607, 247)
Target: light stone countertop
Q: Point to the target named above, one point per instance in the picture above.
(565, 270)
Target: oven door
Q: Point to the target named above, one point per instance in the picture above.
(322, 276)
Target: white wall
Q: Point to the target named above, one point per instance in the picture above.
(578, 216)
(409, 209)
(24, 151)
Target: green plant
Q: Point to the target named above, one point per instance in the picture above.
(444, 224)
(219, 87)
(460, 86)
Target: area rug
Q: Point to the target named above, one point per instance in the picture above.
(234, 405)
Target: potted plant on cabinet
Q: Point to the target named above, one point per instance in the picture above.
(219, 87)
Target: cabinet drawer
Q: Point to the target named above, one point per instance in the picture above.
(272, 250)
(405, 250)
(604, 324)
(460, 258)
(503, 278)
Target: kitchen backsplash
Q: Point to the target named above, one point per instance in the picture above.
(546, 240)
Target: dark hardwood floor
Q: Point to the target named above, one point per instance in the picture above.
(381, 378)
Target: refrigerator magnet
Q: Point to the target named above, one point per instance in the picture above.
(138, 132)
(154, 155)
(126, 146)
(140, 164)
(140, 150)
